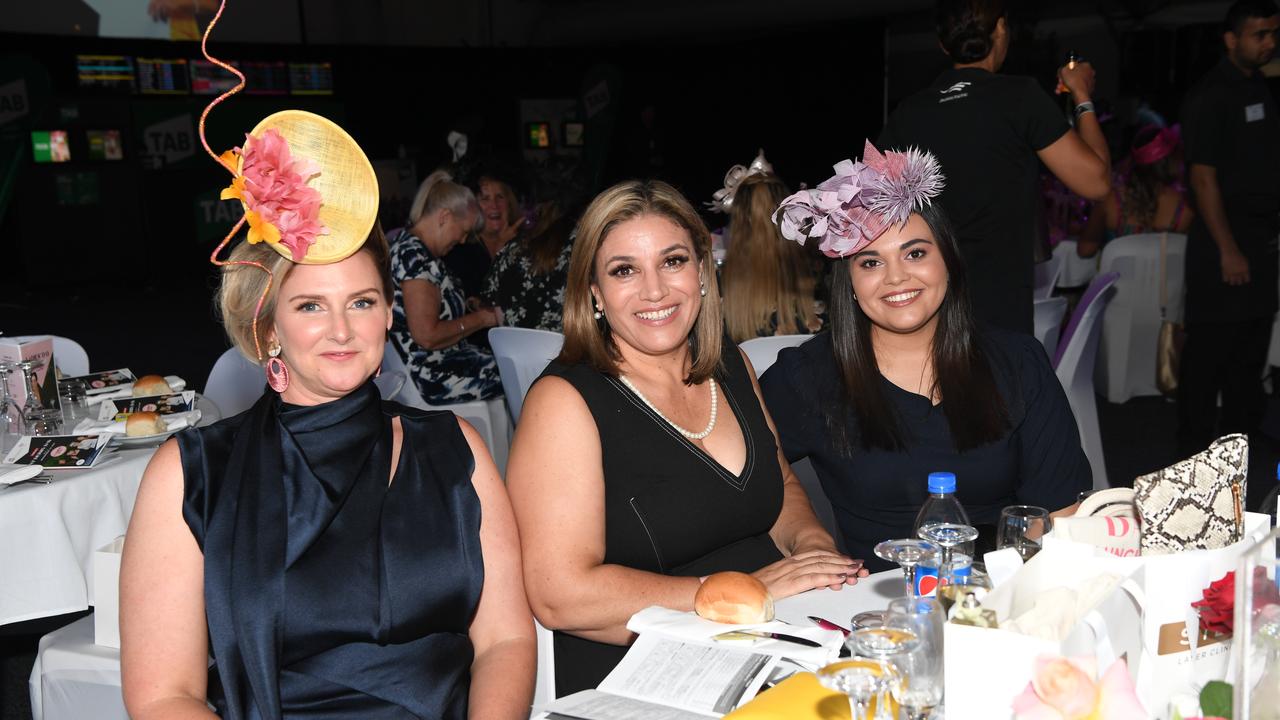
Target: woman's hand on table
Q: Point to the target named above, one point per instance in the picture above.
(809, 570)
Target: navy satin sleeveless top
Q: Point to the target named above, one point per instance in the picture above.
(328, 592)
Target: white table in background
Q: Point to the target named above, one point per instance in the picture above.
(48, 534)
(871, 593)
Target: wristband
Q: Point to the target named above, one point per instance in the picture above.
(1084, 107)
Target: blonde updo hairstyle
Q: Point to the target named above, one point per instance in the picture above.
(440, 192)
(589, 340)
(242, 286)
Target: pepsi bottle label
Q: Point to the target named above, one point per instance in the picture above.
(928, 580)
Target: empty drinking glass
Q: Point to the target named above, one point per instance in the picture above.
(12, 424)
(908, 552)
(861, 680)
(1021, 528)
(918, 685)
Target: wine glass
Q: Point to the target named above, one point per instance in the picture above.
(884, 644)
(948, 536)
(973, 579)
(12, 423)
(918, 685)
(860, 679)
(1021, 528)
(908, 553)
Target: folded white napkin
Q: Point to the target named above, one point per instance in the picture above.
(172, 423)
(10, 474)
(176, 384)
(1057, 610)
(688, 626)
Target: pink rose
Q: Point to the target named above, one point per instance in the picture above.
(1064, 689)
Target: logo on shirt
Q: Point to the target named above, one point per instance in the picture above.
(955, 92)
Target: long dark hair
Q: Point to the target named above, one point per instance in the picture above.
(962, 372)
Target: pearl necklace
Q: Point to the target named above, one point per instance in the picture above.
(711, 424)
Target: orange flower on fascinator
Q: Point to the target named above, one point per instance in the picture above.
(279, 205)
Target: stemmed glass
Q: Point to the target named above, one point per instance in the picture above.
(39, 420)
(1021, 528)
(860, 679)
(948, 536)
(918, 686)
(12, 424)
(886, 645)
(908, 552)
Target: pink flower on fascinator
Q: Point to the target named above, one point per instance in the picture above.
(279, 205)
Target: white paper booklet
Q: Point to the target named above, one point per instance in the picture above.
(665, 679)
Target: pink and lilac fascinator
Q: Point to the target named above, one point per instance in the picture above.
(722, 199)
(855, 206)
(1160, 146)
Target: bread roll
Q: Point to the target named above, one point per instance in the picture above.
(143, 423)
(150, 385)
(734, 597)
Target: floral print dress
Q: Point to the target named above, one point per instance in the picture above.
(528, 299)
(459, 373)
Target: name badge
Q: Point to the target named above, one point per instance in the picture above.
(1254, 112)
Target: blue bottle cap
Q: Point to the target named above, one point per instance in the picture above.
(942, 482)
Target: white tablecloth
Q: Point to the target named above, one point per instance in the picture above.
(73, 678)
(871, 593)
(48, 534)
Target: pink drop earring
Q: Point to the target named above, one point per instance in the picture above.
(277, 371)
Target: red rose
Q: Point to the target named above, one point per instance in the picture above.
(1217, 609)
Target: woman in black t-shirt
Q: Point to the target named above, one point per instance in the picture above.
(904, 383)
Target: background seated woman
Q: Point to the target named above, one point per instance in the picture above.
(905, 383)
(1148, 196)
(432, 323)
(644, 458)
(768, 284)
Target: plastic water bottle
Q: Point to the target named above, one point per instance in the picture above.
(941, 507)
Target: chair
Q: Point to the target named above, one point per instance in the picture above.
(1046, 276)
(68, 355)
(522, 355)
(488, 417)
(544, 682)
(234, 383)
(1048, 322)
(1076, 271)
(1131, 327)
(73, 678)
(763, 351)
(1077, 352)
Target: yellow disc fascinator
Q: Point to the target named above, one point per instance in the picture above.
(307, 188)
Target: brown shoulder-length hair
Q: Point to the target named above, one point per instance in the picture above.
(587, 340)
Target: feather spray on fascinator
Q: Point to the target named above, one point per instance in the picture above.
(863, 199)
(307, 188)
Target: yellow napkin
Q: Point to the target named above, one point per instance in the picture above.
(799, 697)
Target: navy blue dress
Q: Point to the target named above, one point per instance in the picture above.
(876, 493)
(329, 593)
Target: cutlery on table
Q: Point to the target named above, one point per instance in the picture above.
(752, 634)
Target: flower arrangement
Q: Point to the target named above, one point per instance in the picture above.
(1217, 607)
(278, 204)
(1065, 689)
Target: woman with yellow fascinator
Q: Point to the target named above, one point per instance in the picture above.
(336, 556)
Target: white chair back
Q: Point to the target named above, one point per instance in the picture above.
(234, 383)
(1076, 271)
(1131, 327)
(544, 681)
(522, 355)
(1048, 322)
(68, 355)
(1046, 277)
(1074, 367)
(763, 351)
(488, 417)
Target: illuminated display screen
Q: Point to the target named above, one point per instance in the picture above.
(112, 72)
(105, 145)
(537, 135)
(265, 78)
(50, 146)
(311, 78)
(163, 76)
(210, 79)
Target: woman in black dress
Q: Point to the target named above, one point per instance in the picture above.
(644, 458)
(905, 383)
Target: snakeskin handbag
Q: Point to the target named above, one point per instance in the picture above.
(1195, 504)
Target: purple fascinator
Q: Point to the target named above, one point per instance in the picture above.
(856, 205)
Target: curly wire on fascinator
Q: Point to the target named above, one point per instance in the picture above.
(722, 199)
(855, 206)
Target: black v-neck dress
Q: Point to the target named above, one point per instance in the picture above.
(669, 507)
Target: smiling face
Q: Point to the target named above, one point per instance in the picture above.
(495, 207)
(331, 322)
(647, 284)
(900, 280)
